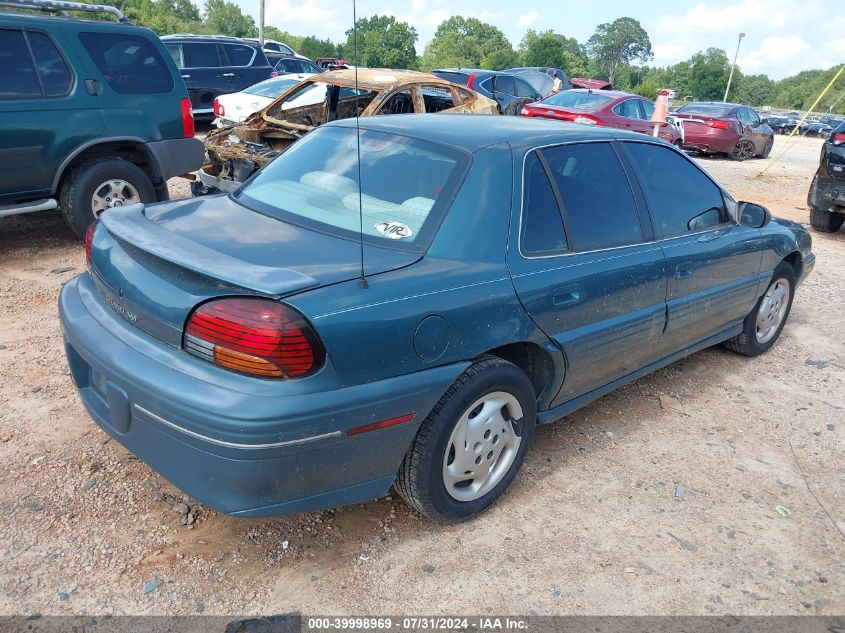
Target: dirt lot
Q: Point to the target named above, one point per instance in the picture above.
(711, 486)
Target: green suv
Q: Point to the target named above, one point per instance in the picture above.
(93, 114)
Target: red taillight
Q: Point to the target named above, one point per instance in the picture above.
(838, 139)
(470, 81)
(719, 125)
(187, 118)
(219, 110)
(89, 238)
(254, 336)
(585, 120)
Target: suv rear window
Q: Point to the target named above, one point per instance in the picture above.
(130, 64)
(18, 79)
(239, 54)
(55, 76)
(405, 187)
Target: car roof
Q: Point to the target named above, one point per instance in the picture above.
(377, 78)
(472, 132)
(716, 103)
(613, 94)
(190, 37)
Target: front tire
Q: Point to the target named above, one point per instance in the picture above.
(93, 187)
(471, 446)
(826, 221)
(767, 148)
(763, 325)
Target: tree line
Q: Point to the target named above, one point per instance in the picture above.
(618, 51)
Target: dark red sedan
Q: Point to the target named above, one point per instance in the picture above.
(724, 128)
(610, 108)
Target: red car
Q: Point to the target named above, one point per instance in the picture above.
(611, 108)
(724, 128)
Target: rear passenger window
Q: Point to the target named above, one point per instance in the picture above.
(239, 55)
(524, 89)
(17, 79)
(687, 201)
(436, 98)
(505, 84)
(542, 228)
(198, 55)
(628, 109)
(598, 204)
(55, 76)
(130, 64)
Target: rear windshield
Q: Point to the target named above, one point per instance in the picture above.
(706, 109)
(405, 187)
(584, 101)
(456, 78)
(271, 87)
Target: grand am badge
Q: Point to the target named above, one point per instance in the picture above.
(394, 230)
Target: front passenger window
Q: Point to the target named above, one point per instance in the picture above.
(681, 198)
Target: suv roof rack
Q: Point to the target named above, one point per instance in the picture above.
(62, 7)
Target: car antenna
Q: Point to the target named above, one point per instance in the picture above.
(362, 280)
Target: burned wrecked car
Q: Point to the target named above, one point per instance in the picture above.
(234, 153)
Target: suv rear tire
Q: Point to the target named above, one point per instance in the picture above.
(826, 221)
(77, 194)
(471, 446)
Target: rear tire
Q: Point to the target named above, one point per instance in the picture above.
(78, 191)
(763, 325)
(743, 150)
(466, 435)
(826, 221)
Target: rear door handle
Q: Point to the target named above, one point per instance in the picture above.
(228, 74)
(186, 76)
(92, 87)
(566, 295)
(684, 271)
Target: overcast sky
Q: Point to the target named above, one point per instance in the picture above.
(782, 36)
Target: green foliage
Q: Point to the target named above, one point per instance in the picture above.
(708, 74)
(617, 43)
(470, 43)
(383, 43)
(226, 18)
(552, 49)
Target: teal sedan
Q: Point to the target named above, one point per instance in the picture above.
(400, 306)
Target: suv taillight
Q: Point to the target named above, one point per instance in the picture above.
(838, 139)
(187, 118)
(219, 110)
(253, 336)
(89, 238)
(470, 81)
(273, 74)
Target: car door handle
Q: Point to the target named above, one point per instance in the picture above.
(228, 74)
(92, 87)
(566, 295)
(684, 271)
(186, 76)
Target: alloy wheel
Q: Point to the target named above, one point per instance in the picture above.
(772, 311)
(744, 149)
(113, 193)
(482, 447)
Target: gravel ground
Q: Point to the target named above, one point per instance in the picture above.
(712, 486)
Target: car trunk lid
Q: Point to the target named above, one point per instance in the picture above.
(154, 265)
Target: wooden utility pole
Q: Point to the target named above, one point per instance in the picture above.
(261, 22)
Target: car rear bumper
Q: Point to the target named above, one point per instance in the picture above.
(243, 446)
(710, 140)
(828, 193)
(178, 156)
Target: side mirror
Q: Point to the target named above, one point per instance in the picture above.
(752, 215)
